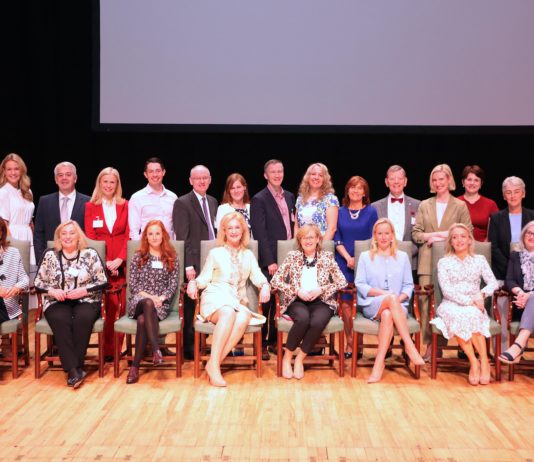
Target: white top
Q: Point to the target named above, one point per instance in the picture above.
(308, 280)
(440, 211)
(224, 209)
(18, 212)
(146, 205)
(110, 213)
(397, 216)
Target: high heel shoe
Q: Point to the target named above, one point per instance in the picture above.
(215, 378)
(375, 378)
(474, 375)
(133, 375)
(507, 358)
(157, 358)
(415, 357)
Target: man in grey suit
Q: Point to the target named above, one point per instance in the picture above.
(399, 208)
(56, 208)
(193, 218)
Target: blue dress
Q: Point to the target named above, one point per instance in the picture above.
(350, 230)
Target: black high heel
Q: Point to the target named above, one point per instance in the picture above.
(507, 358)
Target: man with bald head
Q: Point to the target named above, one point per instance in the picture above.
(193, 219)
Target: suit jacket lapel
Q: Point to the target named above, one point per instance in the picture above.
(120, 211)
(274, 208)
(409, 213)
(449, 212)
(196, 206)
(433, 213)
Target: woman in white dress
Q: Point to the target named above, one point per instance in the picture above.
(16, 199)
(235, 199)
(224, 300)
(462, 313)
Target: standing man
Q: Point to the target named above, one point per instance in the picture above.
(399, 208)
(153, 202)
(271, 212)
(193, 217)
(56, 208)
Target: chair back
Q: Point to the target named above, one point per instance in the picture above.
(438, 252)
(99, 246)
(284, 247)
(364, 246)
(24, 248)
(252, 291)
(133, 246)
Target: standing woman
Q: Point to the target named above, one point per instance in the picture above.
(433, 219)
(235, 199)
(153, 280)
(316, 203)
(16, 199)
(355, 223)
(480, 207)
(106, 219)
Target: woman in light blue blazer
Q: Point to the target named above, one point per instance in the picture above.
(385, 285)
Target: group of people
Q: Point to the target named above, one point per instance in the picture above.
(72, 278)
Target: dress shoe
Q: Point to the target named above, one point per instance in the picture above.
(189, 355)
(167, 352)
(157, 358)
(76, 380)
(272, 349)
(108, 358)
(133, 375)
(265, 356)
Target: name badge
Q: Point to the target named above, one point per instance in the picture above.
(98, 223)
(74, 272)
(157, 264)
(413, 220)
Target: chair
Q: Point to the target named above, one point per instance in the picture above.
(434, 292)
(203, 329)
(42, 327)
(334, 326)
(173, 323)
(19, 325)
(364, 326)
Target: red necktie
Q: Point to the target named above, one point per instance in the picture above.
(397, 199)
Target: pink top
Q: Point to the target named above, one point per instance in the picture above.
(480, 212)
(282, 206)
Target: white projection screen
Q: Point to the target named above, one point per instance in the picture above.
(315, 63)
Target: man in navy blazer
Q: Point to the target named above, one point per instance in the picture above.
(271, 219)
(49, 209)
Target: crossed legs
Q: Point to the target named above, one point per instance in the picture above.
(478, 372)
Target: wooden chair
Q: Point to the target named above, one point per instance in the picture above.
(173, 323)
(203, 329)
(334, 326)
(434, 292)
(364, 326)
(50, 355)
(17, 328)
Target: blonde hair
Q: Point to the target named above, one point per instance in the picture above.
(449, 249)
(523, 232)
(97, 196)
(82, 239)
(24, 181)
(221, 234)
(374, 243)
(301, 232)
(445, 169)
(326, 187)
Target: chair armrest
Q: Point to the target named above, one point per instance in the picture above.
(277, 301)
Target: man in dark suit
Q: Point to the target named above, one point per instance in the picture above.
(193, 218)
(399, 208)
(504, 229)
(56, 208)
(271, 212)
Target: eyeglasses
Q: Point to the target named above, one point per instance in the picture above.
(529, 234)
(201, 178)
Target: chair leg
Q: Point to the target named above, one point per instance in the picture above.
(279, 344)
(257, 341)
(14, 355)
(37, 359)
(26, 342)
(418, 347)
(497, 354)
(196, 359)
(511, 367)
(341, 353)
(100, 354)
(178, 354)
(434, 357)
(116, 355)
(354, 362)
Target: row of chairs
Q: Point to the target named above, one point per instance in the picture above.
(173, 323)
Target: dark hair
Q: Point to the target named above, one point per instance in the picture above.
(154, 160)
(475, 170)
(353, 181)
(271, 162)
(227, 197)
(3, 234)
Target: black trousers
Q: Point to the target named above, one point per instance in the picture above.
(309, 321)
(72, 323)
(268, 330)
(3, 311)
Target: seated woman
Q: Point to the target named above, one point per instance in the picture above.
(308, 279)
(224, 300)
(520, 282)
(462, 313)
(13, 278)
(385, 284)
(153, 280)
(72, 277)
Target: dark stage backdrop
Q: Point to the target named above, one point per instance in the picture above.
(47, 119)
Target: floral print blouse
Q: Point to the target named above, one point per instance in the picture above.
(313, 212)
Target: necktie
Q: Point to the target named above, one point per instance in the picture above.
(397, 199)
(207, 218)
(64, 211)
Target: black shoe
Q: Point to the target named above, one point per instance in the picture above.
(77, 379)
(108, 358)
(265, 356)
(167, 352)
(189, 355)
(389, 354)
(272, 349)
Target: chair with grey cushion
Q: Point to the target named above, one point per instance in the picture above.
(17, 328)
(334, 326)
(50, 355)
(434, 291)
(364, 326)
(172, 324)
(203, 329)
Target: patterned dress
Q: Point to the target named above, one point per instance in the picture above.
(313, 212)
(153, 278)
(459, 281)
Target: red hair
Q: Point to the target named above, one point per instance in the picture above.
(168, 253)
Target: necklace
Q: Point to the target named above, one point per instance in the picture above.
(354, 214)
(309, 264)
